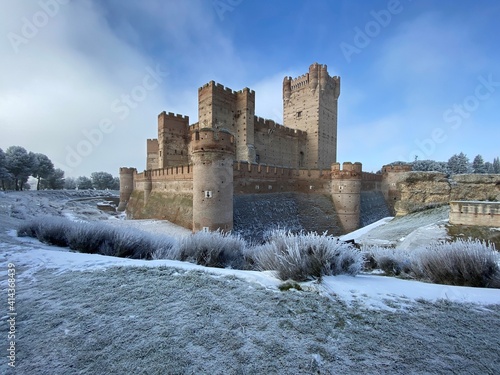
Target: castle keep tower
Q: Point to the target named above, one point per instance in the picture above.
(212, 156)
(310, 104)
(126, 186)
(346, 193)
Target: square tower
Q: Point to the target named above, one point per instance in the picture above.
(310, 105)
(220, 107)
(173, 137)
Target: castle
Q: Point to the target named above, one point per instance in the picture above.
(194, 172)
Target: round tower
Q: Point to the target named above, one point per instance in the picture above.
(126, 186)
(346, 194)
(212, 154)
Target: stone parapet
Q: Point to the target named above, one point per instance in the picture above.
(475, 213)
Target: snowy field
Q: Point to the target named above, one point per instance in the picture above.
(92, 314)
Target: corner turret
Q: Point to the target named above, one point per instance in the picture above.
(126, 186)
(346, 193)
(212, 156)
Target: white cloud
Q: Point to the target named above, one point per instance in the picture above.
(63, 81)
(269, 96)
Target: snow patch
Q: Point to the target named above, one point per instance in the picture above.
(357, 234)
(389, 293)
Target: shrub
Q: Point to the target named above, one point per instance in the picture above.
(392, 261)
(463, 262)
(131, 244)
(95, 238)
(88, 238)
(302, 256)
(165, 248)
(49, 230)
(213, 249)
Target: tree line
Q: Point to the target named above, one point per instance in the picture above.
(457, 164)
(17, 165)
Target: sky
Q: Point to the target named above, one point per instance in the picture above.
(83, 81)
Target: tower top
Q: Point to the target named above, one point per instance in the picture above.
(316, 78)
(348, 171)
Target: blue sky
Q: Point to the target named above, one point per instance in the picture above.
(83, 81)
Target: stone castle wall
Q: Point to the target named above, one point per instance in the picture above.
(414, 191)
(276, 144)
(475, 213)
(261, 179)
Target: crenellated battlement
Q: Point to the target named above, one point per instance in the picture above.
(299, 82)
(349, 171)
(217, 87)
(171, 115)
(396, 168)
(180, 172)
(128, 170)
(246, 90)
(206, 85)
(274, 127)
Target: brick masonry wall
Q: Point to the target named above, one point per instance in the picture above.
(475, 213)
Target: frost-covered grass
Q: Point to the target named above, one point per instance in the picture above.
(129, 320)
(293, 256)
(462, 262)
(299, 257)
(96, 238)
(392, 261)
(306, 256)
(213, 249)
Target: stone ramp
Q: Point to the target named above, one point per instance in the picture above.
(373, 207)
(254, 214)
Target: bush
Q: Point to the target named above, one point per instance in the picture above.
(95, 238)
(165, 248)
(465, 263)
(392, 261)
(302, 257)
(88, 238)
(213, 249)
(50, 230)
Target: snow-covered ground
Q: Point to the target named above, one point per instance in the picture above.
(407, 232)
(88, 314)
